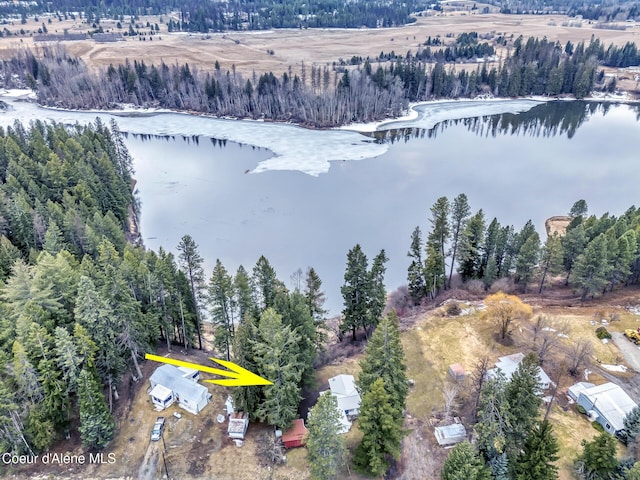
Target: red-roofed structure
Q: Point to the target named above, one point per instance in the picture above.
(294, 437)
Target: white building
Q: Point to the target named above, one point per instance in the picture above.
(509, 364)
(170, 384)
(343, 387)
(609, 404)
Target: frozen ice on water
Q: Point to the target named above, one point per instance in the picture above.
(294, 148)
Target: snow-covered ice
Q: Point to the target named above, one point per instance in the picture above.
(294, 148)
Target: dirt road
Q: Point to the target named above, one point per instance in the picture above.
(630, 351)
(149, 468)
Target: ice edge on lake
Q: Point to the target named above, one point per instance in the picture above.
(294, 148)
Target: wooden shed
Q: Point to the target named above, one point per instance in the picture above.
(456, 371)
(294, 437)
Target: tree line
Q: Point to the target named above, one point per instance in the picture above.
(197, 16)
(81, 304)
(595, 255)
(315, 96)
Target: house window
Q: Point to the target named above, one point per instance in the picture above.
(607, 426)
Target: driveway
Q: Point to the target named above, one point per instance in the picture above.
(630, 351)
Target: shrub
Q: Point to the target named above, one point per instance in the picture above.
(581, 409)
(453, 309)
(475, 286)
(602, 332)
(502, 285)
(598, 427)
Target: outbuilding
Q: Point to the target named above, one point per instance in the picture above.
(450, 434)
(170, 384)
(295, 436)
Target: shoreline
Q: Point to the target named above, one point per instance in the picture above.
(411, 114)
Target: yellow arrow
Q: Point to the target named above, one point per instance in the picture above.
(238, 376)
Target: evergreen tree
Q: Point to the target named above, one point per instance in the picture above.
(377, 295)
(439, 236)
(326, 449)
(355, 292)
(550, 258)
(598, 459)
(246, 399)
(499, 466)
(632, 425)
(384, 358)
(494, 417)
(222, 306)
(243, 296)
(191, 264)
(315, 298)
(464, 463)
(278, 360)
(573, 244)
(524, 403)
(589, 274)
(536, 462)
(415, 272)
(460, 212)
(527, 260)
(266, 283)
(97, 427)
(470, 243)
(382, 431)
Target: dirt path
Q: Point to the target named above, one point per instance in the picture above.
(149, 468)
(630, 351)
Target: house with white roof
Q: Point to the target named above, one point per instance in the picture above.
(343, 387)
(609, 404)
(170, 384)
(509, 364)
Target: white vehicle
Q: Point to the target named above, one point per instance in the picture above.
(158, 428)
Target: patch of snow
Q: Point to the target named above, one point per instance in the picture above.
(548, 329)
(614, 368)
(563, 335)
(18, 93)
(604, 340)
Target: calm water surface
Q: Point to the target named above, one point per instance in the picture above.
(514, 166)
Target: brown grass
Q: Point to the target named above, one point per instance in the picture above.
(248, 51)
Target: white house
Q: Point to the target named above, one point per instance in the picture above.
(509, 364)
(170, 384)
(608, 403)
(343, 387)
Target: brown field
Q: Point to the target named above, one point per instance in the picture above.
(249, 51)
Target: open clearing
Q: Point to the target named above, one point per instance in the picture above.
(249, 51)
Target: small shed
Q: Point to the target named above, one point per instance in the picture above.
(294, 437)
(450, 434)
(162, 397)
(456, 371)
(238, 424)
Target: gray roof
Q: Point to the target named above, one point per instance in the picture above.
(171, 377)
(574, 390)
(450, 433)
(509, 364)
(343, 387)
(611, 401)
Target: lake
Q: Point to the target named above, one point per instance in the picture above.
(532, 162)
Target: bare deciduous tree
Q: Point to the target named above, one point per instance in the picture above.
(579, 354)
(450, 394)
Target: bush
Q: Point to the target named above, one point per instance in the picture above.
(581, 409)
(502, 285)
(598, 427)
(602, 332)
(475, 286)
(453, 310)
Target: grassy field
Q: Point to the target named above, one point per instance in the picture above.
(250, 51)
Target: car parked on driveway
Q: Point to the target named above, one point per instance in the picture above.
(158, 428)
